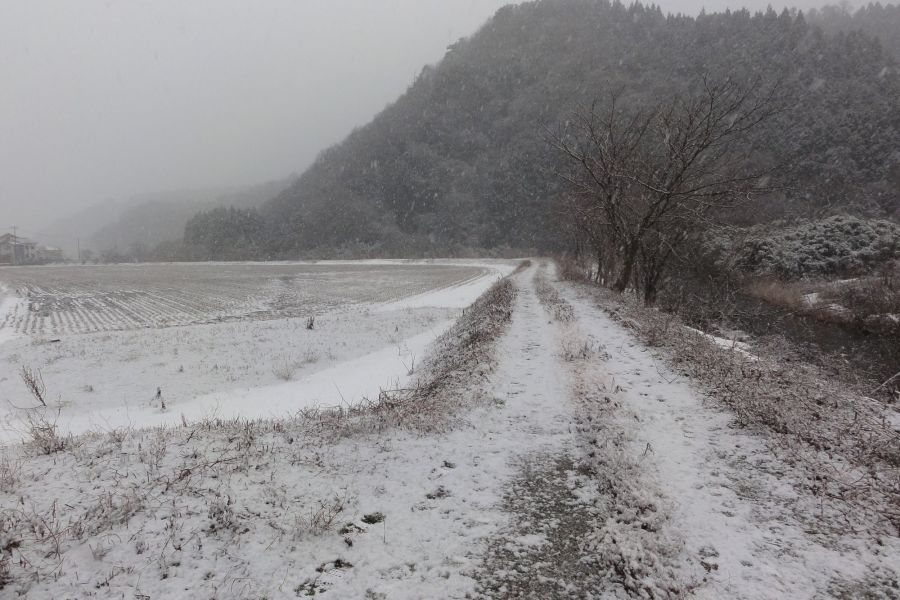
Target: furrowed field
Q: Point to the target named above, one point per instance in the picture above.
(84, 299)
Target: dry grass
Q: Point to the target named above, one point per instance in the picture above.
(797, 297)
(525, 264)
(571, 268)
(34, 382)
(875, 301)
(320, 518)
(573, 350)
(789, 294)
(10, 470)
(285, 366)
(43, 434)
(462, 356)
(550, 299)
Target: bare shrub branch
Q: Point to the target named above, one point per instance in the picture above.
(35, 384)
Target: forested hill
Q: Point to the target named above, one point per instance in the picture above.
(461, 160)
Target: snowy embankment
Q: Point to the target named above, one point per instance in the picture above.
(347, 383)
(107, 380)
(349, 503)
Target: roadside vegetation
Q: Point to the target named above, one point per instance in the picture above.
(841, 430)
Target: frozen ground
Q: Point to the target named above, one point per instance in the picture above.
(581, 466)
(373, 320)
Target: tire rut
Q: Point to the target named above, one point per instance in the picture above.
(541, 555)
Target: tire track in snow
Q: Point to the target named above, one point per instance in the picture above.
(539, 553)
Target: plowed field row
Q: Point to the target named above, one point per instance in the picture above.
(63, 300)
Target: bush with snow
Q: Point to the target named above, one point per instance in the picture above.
(836, 246)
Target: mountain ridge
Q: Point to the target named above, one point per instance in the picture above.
(459, 162)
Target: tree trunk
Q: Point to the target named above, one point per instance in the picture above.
(598, 253)
(627, 267)
(650, 290)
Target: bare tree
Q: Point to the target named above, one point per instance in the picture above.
(643, 181)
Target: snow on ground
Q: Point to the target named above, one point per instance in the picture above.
(108, 379)
(728, 344)
(458, 295)
(811, 299)
(347, 382)
(9, 304)
(70, 299)
(113, 377)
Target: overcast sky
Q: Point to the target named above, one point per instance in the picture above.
(106, 99)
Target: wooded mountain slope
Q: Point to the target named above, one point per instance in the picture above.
(461, 160)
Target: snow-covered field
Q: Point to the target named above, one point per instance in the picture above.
(59, 300)
(226, 339)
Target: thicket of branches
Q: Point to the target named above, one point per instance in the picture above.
(644, 183)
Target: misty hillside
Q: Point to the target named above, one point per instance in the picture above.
(145, 226)
(67, 231)
(881, 21)
(461, 159)
(139, 231)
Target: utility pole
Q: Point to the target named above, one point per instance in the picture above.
(78, 248)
